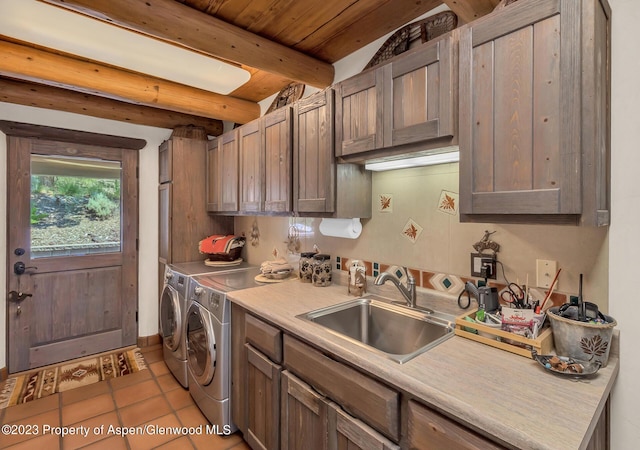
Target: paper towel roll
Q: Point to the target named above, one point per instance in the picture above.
(342, 228)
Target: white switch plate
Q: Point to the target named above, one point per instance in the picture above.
(545, 272)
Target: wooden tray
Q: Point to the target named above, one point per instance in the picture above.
(510, 342)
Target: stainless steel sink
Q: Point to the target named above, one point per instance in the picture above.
(398, 332)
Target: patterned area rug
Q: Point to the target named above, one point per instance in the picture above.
(28, 386)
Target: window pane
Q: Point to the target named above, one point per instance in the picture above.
(75, 206)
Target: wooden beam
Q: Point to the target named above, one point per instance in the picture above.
(173, 22)
(47, 97)
(470, 10)
(30, 64)
(66, 135)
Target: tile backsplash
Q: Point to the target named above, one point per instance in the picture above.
(415, 223)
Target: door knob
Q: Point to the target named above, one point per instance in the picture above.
(17, 297)
(19, 268)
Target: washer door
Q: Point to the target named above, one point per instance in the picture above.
(170, 318)
(201, 344)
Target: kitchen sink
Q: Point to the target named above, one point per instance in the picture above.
(398, 332)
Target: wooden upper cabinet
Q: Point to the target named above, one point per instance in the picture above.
(250, 167)
(423, 94)
(228, 172)
(534, 113)
(278, 143)
(359, 112)
(252, 159)
(314, 169)
(407, 104)
(165, 156)
(213, 176)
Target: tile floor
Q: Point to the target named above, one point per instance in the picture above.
(149, 397)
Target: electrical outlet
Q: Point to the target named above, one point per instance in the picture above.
(545, 272)
(483, 266)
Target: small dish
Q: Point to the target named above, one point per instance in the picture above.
(588, 368)
(281, 275)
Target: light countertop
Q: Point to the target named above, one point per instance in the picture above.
(497, 393)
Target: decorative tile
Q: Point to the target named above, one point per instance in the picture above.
(385, 203)
(376, 269)
(411, 231)
(448, 203)
(446, 283)
(339, 264)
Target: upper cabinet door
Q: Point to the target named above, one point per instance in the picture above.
(314, 169)
(228, 171)
(213, 176)
(252, 159)
(278, 165)
(165, 162)
(423, 94)
(533, 111)
(359, 113)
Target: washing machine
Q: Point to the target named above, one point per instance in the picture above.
(173, 310)
(208, 333)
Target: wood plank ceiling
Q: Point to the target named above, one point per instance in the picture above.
(277, 41)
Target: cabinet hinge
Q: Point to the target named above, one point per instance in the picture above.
(136, 316)
(137, 172)
(137, 244)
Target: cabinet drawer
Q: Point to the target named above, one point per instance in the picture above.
(428, 429)
(363, 397)
(264, 337)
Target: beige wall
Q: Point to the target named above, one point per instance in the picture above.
(445, 244)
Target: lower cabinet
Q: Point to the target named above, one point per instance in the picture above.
(303, 415)
(429, 430)
(291, 396)
(349, 433)
(263, 401)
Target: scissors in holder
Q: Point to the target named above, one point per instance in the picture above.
(514, 295)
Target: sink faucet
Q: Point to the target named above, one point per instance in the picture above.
(408, 292)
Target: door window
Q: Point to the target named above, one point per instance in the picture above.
(75, 206)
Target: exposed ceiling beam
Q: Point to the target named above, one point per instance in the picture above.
(30, 64)
(470, 10)
(181, 25)
(47, 97)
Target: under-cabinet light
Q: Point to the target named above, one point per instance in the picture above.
(417, 161)
(73, 33)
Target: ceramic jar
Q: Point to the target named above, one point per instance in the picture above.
(321, 270)
(306, 266)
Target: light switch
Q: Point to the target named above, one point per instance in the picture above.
(545, 272)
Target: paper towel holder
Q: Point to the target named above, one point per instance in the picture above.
(342, 228)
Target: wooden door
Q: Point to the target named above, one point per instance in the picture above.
(228, 171)
(520, 111)
(303, 416)
(82, 298)
(278, 159)
(348, 433)
(423, 102)
(263, 401)
(252, 160)
(359, 112)
(314, 172)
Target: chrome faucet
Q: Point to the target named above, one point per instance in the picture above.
(408, 292)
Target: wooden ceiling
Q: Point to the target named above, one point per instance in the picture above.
(277, 41)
